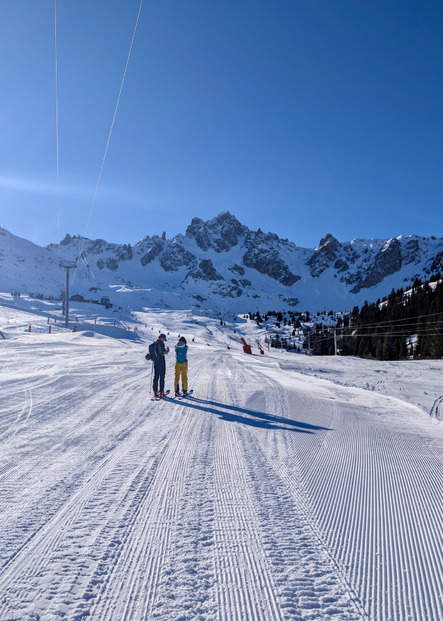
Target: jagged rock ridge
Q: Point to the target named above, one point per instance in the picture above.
(222, 263)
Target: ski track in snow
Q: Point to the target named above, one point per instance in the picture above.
(264, 496)
(437, 407)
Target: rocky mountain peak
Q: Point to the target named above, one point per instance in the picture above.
(221, 233)
(66, 240)
(328, 240)
(325, 254)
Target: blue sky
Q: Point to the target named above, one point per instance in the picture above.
(299, 117)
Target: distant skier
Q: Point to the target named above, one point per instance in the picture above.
(159, 351)
(181, 366)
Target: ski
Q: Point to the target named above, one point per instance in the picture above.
(159, 398)
(180, 395)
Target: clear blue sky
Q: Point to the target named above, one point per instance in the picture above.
(300, 117)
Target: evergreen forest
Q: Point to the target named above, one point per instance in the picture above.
(404, 325)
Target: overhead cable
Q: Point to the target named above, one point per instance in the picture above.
(57, 126)
(112, 126)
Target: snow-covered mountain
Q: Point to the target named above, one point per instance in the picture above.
(221, 264)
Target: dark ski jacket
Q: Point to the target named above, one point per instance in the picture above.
(159, 350)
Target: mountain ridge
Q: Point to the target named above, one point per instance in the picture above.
(222, 264)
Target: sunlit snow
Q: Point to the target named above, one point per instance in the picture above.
(287, 487)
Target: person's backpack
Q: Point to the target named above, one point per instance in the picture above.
(152, 354)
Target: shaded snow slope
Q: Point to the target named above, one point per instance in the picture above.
(272, 493)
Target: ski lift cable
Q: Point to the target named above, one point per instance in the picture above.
(382, 326)
(387, 334)
(344, 333)
(57, 126)
(389, 321)
(385, 327)
(384, 331)
(111, 129)
(114, 117)
(394, 321)
(328, 337)
(394, 326)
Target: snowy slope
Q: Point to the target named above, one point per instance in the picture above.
(27, 267)
(285, 488)
(221, 264)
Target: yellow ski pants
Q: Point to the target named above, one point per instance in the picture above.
(181, 368)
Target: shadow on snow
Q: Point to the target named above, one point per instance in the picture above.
(253, 418)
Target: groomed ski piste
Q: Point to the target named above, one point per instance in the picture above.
(286, 487)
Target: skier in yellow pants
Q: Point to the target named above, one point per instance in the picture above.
(181, 366)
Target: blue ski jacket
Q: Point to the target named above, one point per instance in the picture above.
(181, 351)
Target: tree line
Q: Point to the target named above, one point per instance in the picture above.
(405, 324)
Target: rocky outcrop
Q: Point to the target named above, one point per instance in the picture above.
(388, 261)
(289, 301)
(152, 253)
(411, 252)
(226, 290)
(198, 231)
(221, 233)
(437, 264)
(205, 270)
(65, 241)
(267, 261)
(243, 282)
(353, 278)
(323, 257)
(112, 264)
(350, 254)
(176, 257)
(124, 252)
(98, 246)
(341, 266)
(237, 269)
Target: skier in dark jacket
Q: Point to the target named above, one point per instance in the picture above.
(160, 366)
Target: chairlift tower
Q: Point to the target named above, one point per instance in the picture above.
(67, 265)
